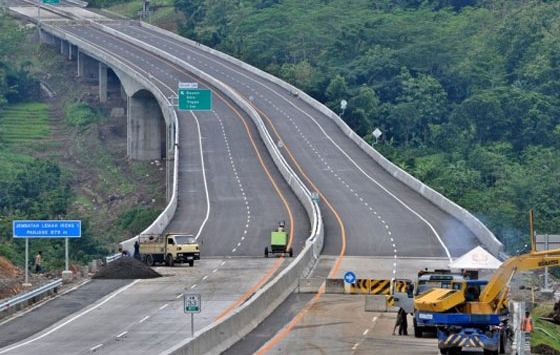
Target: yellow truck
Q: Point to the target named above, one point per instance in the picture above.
(168, 249)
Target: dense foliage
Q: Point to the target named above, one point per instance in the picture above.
(16, 83)
(31, 188)
(464, 91)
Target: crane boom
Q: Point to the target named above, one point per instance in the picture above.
(513, 265)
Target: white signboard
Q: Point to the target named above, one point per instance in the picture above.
(188, 85)
(193, 303)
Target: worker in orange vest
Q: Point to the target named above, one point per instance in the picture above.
(527, 323)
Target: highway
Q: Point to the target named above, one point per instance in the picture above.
(373, 206)
(231, 195)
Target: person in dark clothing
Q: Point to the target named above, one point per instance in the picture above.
(137, 250)
(403, 322)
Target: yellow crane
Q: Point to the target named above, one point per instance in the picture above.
(469, 312)
(458, 299)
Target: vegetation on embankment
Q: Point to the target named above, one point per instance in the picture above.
(465, 92)
(550, 337)
(64, 158)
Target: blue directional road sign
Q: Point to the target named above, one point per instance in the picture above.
(47, 229)
(349, 277)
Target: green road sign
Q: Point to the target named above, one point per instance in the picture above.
(195, 100)
(192, 303)
(51, 1)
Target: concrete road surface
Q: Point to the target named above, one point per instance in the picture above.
(145, 316)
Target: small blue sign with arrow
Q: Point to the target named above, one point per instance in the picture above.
(349, 277)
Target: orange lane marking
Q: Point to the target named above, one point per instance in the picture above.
(269, 175)
(336, 267)
(293, 323)
(333, 210)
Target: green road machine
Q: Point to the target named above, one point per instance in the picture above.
(278, 241)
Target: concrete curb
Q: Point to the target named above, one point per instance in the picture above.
(484, 235)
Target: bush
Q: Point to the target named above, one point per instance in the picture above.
(137, 219)
(81, 116)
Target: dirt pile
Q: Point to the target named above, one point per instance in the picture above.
(126, 268)
(9, 282)
(544, 349)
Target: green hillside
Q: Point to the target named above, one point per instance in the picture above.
(465, 92)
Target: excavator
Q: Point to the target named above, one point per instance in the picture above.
(469, 314)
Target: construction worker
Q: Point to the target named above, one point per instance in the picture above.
(527, 323)
(39, 262)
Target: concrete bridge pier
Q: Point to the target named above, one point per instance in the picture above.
(146, 129)
(102, 82)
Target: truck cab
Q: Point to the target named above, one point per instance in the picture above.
(169, 249)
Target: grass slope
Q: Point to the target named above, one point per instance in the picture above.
(539, 337)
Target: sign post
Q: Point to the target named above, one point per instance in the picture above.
(546, 242)
(192, 305)
(46, 229)
(27, 284)
(50, 2)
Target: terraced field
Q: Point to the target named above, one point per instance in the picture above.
(20, 126)
(22, 123)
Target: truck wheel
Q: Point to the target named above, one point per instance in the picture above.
(417, 331)
(143, 259)
(291, 252)
(490, 352)
(443, 351)
(149, 260)
(191, 263)
(266, 252)
(169, 260)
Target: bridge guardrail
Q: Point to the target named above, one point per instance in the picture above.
(109, 259)
(484, 235)
(23, 299)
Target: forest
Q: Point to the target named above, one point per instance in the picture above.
(465, 92)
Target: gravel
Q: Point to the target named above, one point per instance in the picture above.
(126, 268)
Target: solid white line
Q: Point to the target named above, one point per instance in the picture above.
(121, 334)
(94, 306)
(96, 347)
(330, 139)
(165, 305)
(203, 176)
(143, 319)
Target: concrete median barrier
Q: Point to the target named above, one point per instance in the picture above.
(310, 285)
